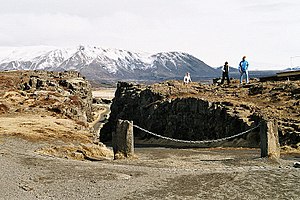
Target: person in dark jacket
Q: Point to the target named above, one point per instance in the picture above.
(225, 73)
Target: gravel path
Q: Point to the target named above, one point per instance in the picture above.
(158, 173)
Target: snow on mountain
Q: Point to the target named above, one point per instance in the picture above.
(100, 64)
(33, 58)
(292, 68)
(9, 54)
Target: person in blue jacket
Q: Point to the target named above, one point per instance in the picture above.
(243, 68)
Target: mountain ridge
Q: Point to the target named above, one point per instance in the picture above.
(108, 64)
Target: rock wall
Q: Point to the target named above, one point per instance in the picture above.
(63, 93)
(187, 118)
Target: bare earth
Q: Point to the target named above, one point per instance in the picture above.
(158, 173)
(106, 93)
(41, 158)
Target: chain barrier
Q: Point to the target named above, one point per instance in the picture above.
(196, 142)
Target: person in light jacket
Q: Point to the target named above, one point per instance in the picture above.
(243, 68)
(187, 78)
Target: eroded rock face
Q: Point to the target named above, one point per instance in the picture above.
(63, 93)
(201, 112)
(187, 118)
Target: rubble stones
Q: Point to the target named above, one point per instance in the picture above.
(297, 164)
(256, 89)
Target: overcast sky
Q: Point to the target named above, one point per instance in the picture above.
(215, 31)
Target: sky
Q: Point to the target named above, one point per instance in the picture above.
(215, 31)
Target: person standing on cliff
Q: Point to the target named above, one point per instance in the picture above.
(225, 73)
(187, 78)
(243, 69)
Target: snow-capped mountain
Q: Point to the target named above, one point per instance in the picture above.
(292, 68)
(105, 64)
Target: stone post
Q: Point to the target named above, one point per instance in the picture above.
(269, 140)
(123, 140)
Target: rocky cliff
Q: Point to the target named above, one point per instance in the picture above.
(63, 93)
(52, 109)
(201, 112)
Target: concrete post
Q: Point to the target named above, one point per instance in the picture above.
(269, 140)
(123, 140)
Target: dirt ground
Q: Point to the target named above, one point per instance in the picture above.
(158, 173)
(44, 157)
(105, 93)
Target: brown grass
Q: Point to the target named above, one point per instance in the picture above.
(3, 108)
(37, 128)
(78, 152)
(75, 100)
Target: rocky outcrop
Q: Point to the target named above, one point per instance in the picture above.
(203, 112)
(63, 93)
(52, 111)
(187, 118)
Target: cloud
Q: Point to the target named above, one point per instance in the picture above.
(270, 6)
(31, 29)
(214, 31)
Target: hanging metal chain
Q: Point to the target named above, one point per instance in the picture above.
(196, 142)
